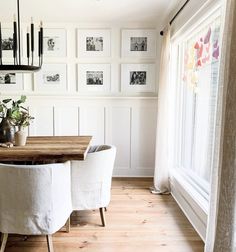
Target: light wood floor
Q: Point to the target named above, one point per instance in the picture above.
(137, 221)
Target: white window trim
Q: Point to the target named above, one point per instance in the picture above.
(191, 192)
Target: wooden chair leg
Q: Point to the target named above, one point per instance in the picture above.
(49, 243)
(4, 242)
(105, 209)
(102, 215)
(68, 225)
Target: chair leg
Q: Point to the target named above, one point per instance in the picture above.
(49, 243)
(102, 215)
(105, 209)
(4, 242)
(68, 225)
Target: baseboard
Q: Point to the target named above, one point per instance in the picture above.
(132, 172)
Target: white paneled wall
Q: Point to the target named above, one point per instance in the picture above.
(143, 128)
(127, 120)
(127, 123)
(66, 120)
(44, 121)
(92, 120)
(119, 133)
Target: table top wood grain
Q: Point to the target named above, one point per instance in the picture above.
(48, 149)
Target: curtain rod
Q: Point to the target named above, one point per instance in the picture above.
(175, 16)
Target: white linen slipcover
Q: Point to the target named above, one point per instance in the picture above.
(34, 199)
(91, 178)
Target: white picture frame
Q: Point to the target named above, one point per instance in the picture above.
(51, 78)
(94, 77)
(58, 38)
(54, 43)
(139, 43)
(138, 78)
(11, 82)
(93, 43)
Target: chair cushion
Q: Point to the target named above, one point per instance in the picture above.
(97, 148)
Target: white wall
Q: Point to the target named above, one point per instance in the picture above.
(125, 120)
(127, 123)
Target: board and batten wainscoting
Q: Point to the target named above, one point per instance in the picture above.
(127, 123)
(113, 116)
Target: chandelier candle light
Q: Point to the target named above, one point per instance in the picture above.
(17, 66)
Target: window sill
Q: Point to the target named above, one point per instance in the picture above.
(191, 201)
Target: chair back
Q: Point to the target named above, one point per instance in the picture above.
(91, 178)
(34, 199)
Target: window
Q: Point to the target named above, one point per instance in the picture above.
(197, 85)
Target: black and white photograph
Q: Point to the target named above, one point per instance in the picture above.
(51, 43)
(51, 78)
(7, 43)
(138, 77)
(54, 43)
(138, 44)
(7, 78)
(11, 82)
(94, 77)
(94, 43)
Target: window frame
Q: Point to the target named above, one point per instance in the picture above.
(200, 187)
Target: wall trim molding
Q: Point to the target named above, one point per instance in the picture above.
(129, 124)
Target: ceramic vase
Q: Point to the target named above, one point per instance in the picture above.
(20, 137)
(6, 131)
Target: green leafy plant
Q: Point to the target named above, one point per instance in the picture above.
(15, 112)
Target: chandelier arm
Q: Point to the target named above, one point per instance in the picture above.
(41, 60)
(17, 66)
(19, 45)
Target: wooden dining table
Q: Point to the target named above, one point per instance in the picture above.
(48, 149)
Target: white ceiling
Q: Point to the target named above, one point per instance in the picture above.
(90, 10)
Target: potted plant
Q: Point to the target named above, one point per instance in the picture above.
(12, 117)
(20, 118)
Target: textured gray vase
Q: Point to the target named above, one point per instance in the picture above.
(7, 131)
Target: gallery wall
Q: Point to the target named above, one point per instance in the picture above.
(115, 114)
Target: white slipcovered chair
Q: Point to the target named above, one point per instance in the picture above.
(91, 179)
(34, 199)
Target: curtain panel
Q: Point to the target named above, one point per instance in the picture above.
(161, 176)
(221, 221)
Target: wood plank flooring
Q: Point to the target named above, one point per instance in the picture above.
(137, 221)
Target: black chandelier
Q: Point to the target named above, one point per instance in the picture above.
(17, 66)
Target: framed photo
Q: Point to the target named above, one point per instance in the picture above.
(94, 43)
(11, 81)
(54, 43)
(94, 77)
(139, 43)
(7, 43)
(138, 77)
(52, 77)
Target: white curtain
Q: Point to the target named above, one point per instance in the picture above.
(161, 177)
(221, 221)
